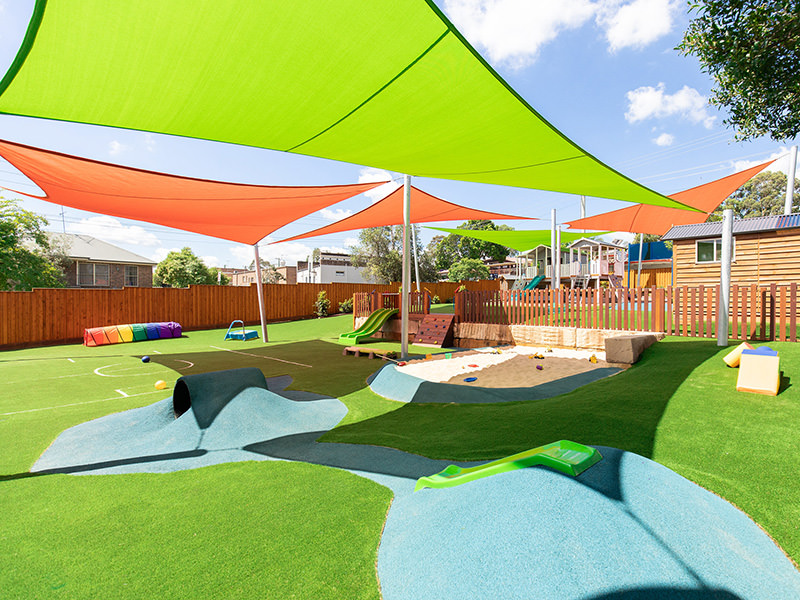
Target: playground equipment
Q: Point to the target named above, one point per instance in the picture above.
(759, 371)
(733, 357)
(531, 285)
(243, 335)
(119, 334)
(206, 394)
(373, 323)
(568, 457)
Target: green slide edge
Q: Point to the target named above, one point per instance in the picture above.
(568, 457)
(373, 323)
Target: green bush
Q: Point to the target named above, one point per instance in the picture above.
(322, 305)
(435, 300)
(346, 306)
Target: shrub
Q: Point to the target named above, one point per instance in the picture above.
(322, 305)
(436, 300)
(346, 306)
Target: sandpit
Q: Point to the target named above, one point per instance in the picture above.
(507, 367)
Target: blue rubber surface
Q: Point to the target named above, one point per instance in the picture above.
(625, 529)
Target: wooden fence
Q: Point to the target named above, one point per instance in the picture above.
(756, 312)
(52, 316)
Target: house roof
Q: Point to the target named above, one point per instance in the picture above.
(740, 226)
(583, 242)
(85, 247)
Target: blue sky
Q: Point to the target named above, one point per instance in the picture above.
(604, 72)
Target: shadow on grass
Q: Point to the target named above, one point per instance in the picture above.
(315, 366)
(622, 411)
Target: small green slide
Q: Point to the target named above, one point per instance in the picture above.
(565, 456)
(373, 323)
(534, 282)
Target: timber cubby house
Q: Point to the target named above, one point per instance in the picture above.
(766, 250)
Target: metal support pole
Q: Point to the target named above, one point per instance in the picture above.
(259, 287)
(558, 257)
(787, 206)
(725, 277)
(406, 282)
(639, 269)
(553, 248)
(583, 210)
(414, 250)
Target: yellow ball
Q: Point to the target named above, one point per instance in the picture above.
(161, 384)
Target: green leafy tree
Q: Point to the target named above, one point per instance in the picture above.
(26, 257)
(468, 269)
(764, 194)
(380, 254)
(450, 249)
(752, 50)
(183, 268)
(269, 274)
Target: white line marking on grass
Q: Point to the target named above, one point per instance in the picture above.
(123, 394)
(191, 364)
(76, 404)
(70, 360)
(156, 352)
(261, 356)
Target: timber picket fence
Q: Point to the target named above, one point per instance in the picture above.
(54, 316)
(756, 312)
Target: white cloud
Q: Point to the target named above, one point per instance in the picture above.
(150, 142)
(116, 148)
(351, 242)
(665, 139)
(334, 249)
(336, 214)
(648, 102)
(781, 164)
(636, 24)
(368, 175)
(210, 261)
(112, 230)
(161, 253)
(513, 31)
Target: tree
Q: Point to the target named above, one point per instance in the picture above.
(468, 269)
(764, 194)
(380, 254)
(269, 274)
(452, 248)
(752, 50)
(181, 269)
(26, 257)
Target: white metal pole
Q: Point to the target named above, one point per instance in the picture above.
(553, 248)
(725, 277)
(558, 257)
(259, 287)
(414, 250)
(583, 210)
(787, 206)
(639, 269)
(406, 287)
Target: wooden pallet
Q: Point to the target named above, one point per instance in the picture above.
(435, 330)
(363, 351)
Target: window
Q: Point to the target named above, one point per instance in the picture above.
(131, 275)
(709, 251)
(93, 274)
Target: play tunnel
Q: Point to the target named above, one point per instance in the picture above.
(118, 334)
(206, 394)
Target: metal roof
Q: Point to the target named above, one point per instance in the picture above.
(85, 247)
(740, 226)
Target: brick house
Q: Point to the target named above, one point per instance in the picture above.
(98, 264)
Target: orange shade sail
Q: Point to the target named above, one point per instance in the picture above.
(231, 211)
(425, 208)
(645, 218)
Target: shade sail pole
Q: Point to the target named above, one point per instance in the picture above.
(414, 250)
(406, 282)
(725, 277)
(260, 289)
(787, 206)
(639, 268)
(553, 248)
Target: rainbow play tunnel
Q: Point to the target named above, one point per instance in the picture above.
(118, 334)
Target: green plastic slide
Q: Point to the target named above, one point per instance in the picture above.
(373, 323)
(534, 282)
(565, 456)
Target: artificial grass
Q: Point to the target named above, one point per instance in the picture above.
(240, 530)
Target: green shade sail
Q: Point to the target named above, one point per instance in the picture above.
(518, 240)
(391, 85)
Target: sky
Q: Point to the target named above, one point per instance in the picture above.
(603, 72)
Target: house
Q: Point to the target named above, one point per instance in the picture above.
(332, 267)
(593, 261)
(98, 264)
(765, 250)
